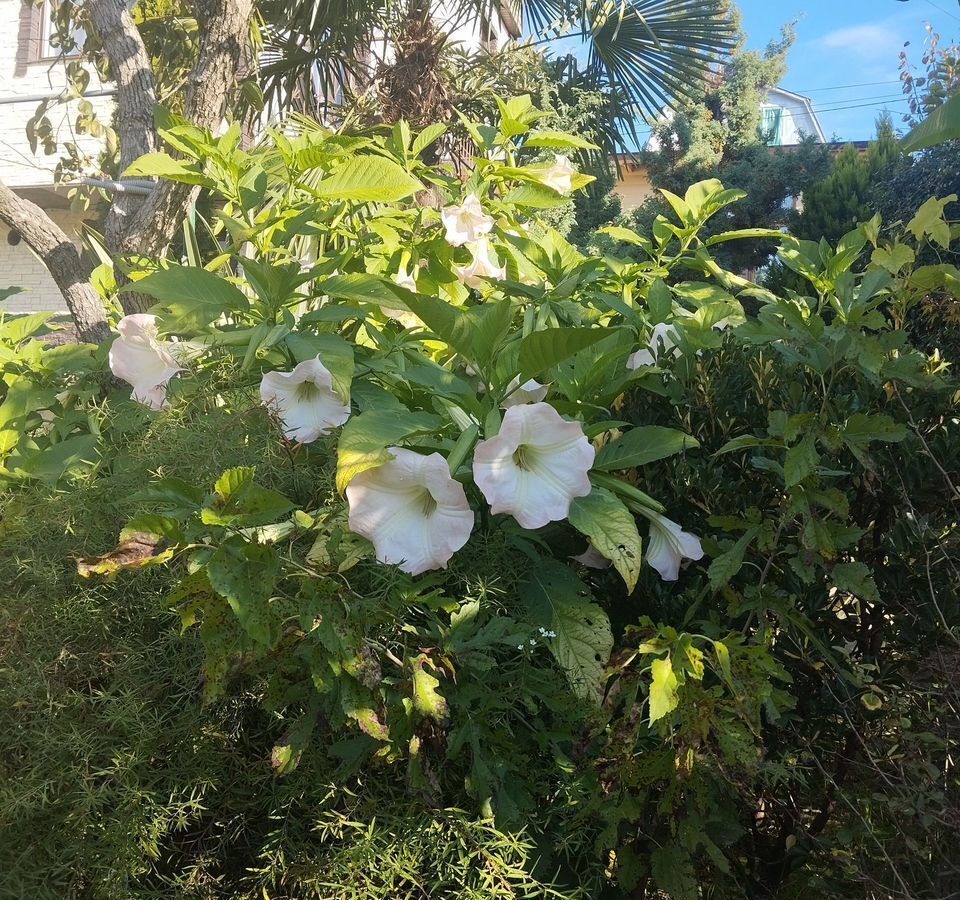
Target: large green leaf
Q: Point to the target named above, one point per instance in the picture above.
(365, 438)
(643, 445)
(369, 179)
(559, 602)
(542, 350)
(558, 140)
(244, 574)
(611, 529)
(162, 165)
(193, 297)
(943, 124)
(359, 287)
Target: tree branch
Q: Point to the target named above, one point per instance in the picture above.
(62, 259)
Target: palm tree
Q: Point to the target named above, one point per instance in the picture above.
(648, 53)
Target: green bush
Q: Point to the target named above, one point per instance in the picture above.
(761, 703)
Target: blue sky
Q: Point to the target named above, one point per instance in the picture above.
(850, 42)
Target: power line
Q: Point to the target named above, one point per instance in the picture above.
(824, 109)
(946, 12)
(843, 87)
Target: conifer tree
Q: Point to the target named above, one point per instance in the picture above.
(842, 200)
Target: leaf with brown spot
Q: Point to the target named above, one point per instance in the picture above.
(137, 551)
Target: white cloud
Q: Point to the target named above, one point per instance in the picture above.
(872, 40)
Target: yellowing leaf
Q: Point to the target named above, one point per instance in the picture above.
(663, 689)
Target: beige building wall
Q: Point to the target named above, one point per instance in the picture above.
(29, 72)
(633, 187)
(19, 267)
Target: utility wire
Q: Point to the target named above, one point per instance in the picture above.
(843, 87)
(946, 12)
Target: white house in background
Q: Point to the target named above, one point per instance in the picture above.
(786, 119)
(32, 70)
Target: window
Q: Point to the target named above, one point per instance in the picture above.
(771, 125)
(50, 35)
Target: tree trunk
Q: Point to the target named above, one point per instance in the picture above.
(146, 225)
(64, 262)
(137, 224)
(136, 99)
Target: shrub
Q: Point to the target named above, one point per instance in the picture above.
(716, 710)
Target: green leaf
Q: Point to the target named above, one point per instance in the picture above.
(894, 259)
(558, 601)
(673, 873)
(194, 297)
(426, 137)
(861, 430)
(744, 442)
(16, 329)
(771, 234)
(536, 196)
(359, 287)
(455, 325)
(23, 399)
(558, 140)
(643, 445)
(368, 179)
(611, 528)
(726, 565)
(855, 578)
(51, 463)
(426, 699)
(663, 689)
(239, 502)
(801, 460)
(542, 350)
(364, 439)
(943, 124)
(161, 165)
(245, 574)
(930, 221)
(172, 496)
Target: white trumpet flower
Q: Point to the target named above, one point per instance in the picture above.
(535, 466)
(405, 279)
(560, 175)
(529, 392)
(304, 400)
(484, 265)
(465, 223)
(412, 511)
(592, 558)
(668, 545)
(142, 360)
(664, 338)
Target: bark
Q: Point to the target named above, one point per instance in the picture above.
(137, 224)
(62, 259)
(147, 225)
(136, 99)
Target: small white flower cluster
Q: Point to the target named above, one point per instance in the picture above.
(547, 634)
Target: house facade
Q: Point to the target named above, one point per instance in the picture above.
(786, 119)
(32, 69)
